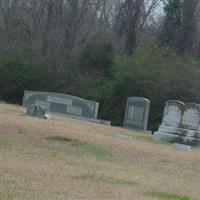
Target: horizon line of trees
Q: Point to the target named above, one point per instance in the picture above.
(102, 50)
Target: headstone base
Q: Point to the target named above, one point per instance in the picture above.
(139, 130)
(97, 121)
(178, 135)
(182, 147)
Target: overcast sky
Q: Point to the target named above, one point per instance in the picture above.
(159, 10)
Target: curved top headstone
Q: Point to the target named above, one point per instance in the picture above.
(173, 113)
(137, 113)
(61, 103)
(139, 99)
(191, 116)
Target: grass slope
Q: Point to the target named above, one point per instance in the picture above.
(64, 158)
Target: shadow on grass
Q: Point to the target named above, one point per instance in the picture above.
(108, 180)
(168, 196)
(63, 139)
(97, 151)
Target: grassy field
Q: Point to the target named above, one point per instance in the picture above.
(61, 158)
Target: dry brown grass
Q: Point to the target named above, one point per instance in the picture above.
(57, 159)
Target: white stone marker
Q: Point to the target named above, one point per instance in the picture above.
(191, 116)
(173, 113)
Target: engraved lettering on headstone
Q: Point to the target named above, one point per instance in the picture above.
(137, 113)
(191, 117)
(91, 106)
(59, 100)
(74, 110)
(173, 113)
(42, 104)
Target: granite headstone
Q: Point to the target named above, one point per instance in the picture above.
(61, 103)
(137, 113)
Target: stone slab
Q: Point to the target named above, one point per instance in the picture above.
(61, 103)
(182, 147)
(172, 138)
(97, 121)
(179, 131)
(124, 137)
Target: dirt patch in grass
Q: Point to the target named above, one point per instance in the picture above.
(104, 179)
(95, 150)
(64, 139)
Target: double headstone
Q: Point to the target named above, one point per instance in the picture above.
(180, 124)
(137, 113)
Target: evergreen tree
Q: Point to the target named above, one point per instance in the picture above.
(172, 24)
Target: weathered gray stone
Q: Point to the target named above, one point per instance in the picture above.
(137, 113)
(173, 113)
(191, 116)
(35, 111)
(61, 103)
(180, 124)
(97, 121)
(182, 147)
(179, 131)
(173, 138)
(124, 137)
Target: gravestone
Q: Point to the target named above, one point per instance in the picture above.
(173, 113)
(137, 113)
(61, 103)
(180, 124)
(191, 116)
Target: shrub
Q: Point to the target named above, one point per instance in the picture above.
(21, 69)
(158, 74)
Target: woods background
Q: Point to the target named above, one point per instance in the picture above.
(103, 50)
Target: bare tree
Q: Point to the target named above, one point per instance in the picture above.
(131, 18)
(180, 28)
(59, 29)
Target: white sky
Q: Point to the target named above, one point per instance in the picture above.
(159, 11)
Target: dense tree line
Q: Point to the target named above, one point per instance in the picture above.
(102, 50)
